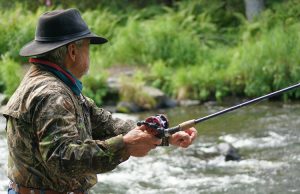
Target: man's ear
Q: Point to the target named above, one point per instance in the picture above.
(72, 51)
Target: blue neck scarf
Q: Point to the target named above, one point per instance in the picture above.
(64, 75)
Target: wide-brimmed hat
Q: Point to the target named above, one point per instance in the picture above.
(58, 28)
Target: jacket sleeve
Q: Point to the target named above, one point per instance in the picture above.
(104, 125)
(67, 148)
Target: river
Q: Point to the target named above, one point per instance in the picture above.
(267, 136)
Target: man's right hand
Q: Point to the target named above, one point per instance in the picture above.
(139, 142)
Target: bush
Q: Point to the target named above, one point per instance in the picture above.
(160, 76)
(17, 28)
(10, 74)
(141, 43)
(270, 61)
(95, 87)
(131, 90)
(192, 49)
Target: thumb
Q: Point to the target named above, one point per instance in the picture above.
(148, 129)
(142, 127)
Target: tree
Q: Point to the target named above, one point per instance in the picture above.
(253, 8)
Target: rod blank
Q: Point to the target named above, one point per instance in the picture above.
(191, 123)
(246, 103)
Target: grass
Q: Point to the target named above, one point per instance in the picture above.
(193, 50)
(10, 72)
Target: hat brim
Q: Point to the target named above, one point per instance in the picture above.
(35, 48)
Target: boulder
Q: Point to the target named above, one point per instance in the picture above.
(211, 150)
(160, 99)
(154, 98)
(189, 102)
(127, 107)
(230, 152)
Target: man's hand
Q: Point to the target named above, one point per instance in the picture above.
(139, 142)
(183, 138)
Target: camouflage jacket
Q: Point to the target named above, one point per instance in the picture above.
(57, 140)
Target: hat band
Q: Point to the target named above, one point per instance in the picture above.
(62, 38)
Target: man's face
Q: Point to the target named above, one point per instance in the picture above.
(82, 62)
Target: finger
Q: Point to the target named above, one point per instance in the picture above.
(181, 135)
(156, 141)
(186, 140)
(192, 133)
(182, 138)
(151, 131)
(147, 129)
(184, 144)
(142, 128)
(153, 146)
(151, 139)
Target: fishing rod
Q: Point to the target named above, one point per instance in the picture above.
(160, 124)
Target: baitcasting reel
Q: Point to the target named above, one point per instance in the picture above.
(156, 125)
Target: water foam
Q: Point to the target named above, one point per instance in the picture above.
(3, 164)
(272, 140)
(173, 174)
(2, 123)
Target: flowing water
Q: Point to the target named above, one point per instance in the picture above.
(266, 134)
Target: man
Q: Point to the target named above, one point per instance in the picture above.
(58, 139)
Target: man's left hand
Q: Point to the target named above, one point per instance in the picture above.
(183, 138)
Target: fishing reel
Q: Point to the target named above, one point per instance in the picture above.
(156, 125)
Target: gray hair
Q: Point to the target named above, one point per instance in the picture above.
(58, 55)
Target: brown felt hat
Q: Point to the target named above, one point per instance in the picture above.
(58, 28)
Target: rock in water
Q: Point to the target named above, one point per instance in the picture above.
(209, 150)
(230, 152)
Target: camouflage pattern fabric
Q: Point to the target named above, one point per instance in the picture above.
(57, 140)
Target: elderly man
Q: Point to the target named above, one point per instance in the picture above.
(58, 139)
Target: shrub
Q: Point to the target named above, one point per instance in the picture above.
(192, 49)
(131, 90)
(95, 87)
(10, 74)
(160, 38)
(270, 61)
(17, 27)
(160, 76)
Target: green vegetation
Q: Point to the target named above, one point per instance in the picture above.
(10, 73)
(191, 50)
(96, 87)
(132, 91)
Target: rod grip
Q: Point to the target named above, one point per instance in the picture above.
(181, 127)
(187, 124)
